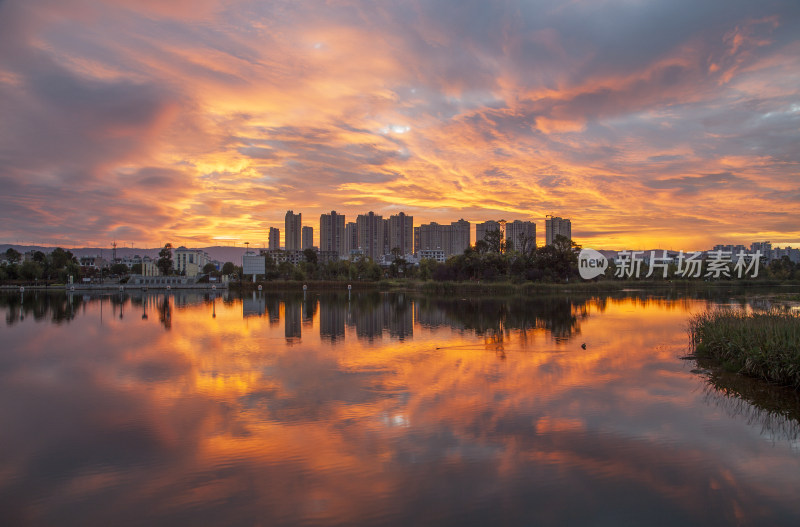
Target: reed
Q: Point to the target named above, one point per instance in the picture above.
(765, 344)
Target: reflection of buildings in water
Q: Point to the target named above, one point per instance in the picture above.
(292, 314)
(400, 320)
(332, 317)
(433, 317)
(253, 306)
(390, 314)
(273, 307)
(369, 323)
(309, 310)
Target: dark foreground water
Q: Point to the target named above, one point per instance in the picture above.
(381, 409)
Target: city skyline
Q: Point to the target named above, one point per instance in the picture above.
(662, 124)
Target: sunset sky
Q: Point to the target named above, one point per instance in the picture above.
(672, 124)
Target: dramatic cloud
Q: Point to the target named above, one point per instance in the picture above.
(658, 123)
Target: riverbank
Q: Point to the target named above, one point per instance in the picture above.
(510, 288)
(764, 345)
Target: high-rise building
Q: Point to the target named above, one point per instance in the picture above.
(350, 238)
(308, 238)
(764, 247)
(332, 234)
(292, 233)
(370, 234)
(451, 239)
(555, 226)
(482, 228)
(274, 239)
(401, 233)
(461, 237)
(515, 231)
(385, 245)
(430, 237)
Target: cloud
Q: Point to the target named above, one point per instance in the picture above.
(243, 110)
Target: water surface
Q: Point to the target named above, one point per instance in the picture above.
(381, 409)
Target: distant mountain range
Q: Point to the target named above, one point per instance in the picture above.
(220, 254)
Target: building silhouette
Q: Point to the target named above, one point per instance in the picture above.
(516, 229)
(401, 233)
(370, 234)
(351, 239)
(555, 226)
(450, 239)
(292, 233)
(332, 233)
(487, 226)
(274, 239)
(308, 238)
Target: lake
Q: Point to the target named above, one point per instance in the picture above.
(382, 409)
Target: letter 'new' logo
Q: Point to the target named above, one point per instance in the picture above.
(591, 264)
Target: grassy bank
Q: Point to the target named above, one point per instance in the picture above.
(764, 345)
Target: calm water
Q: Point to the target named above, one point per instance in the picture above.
(384, 409)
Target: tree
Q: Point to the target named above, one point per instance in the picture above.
(209, 268)
(59, 258)
(164, 262)
(13, 256)
(30, 270)
(426, 267)
(310, 255)
(119, 269)
(527, 245)
(559, 260)
(228, 268)
(495, 241)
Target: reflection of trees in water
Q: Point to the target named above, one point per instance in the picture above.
(494, 317)
(776, 409)
(60, 307)
(165, 312)
(63, 306)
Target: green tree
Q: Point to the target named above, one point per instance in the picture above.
(285, 270)
(119, 269)
(558, 261)
(59, 258)
(164, 262)
(30, 270)
(136, 268)
(495, 241)
(426, 267)
(228, 268)
(209, 268)
(13, 256)
(310, 256)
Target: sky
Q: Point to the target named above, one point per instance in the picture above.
(650, 124)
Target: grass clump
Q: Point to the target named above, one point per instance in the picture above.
(764, 345)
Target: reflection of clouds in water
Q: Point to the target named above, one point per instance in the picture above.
(219, 421)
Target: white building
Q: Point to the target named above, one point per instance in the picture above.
(189, 262)
(432, 254)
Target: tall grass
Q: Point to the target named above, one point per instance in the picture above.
(765, 345)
